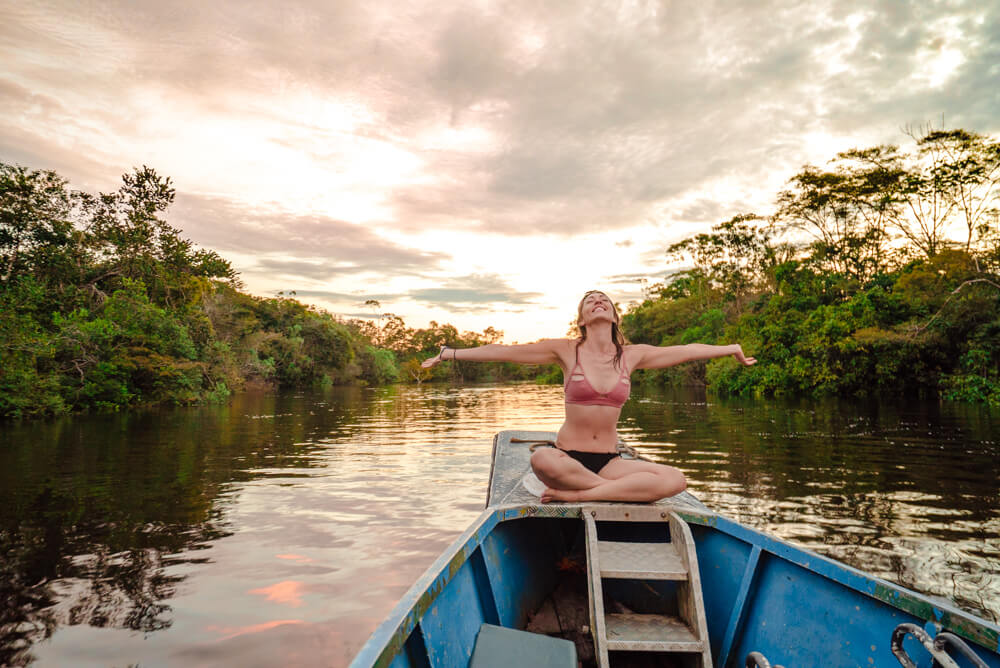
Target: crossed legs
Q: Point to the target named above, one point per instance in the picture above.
(620, 480)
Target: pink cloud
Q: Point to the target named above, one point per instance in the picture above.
(233, 631)
(286, 592)
(295, 557)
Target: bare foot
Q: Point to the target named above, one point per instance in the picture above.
(566, 495)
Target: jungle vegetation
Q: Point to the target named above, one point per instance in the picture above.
(104, 305)
(876, 274)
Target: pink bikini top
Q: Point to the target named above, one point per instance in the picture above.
(580, 391)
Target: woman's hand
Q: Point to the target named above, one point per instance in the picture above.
(432, 361)
(743, 359)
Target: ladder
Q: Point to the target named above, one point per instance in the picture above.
(682, 634)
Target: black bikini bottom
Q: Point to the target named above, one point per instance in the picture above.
(595, 461)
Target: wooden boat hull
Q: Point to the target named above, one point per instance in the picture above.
(760, 594)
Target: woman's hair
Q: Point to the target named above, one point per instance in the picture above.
(616, 332)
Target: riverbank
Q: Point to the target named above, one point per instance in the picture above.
(104, 306)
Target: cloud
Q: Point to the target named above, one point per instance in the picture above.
(474, 289)
(286, 244)
(546, 121)
(702, 211)
(27, 137)
(360, 315)
(286, 592)
(600, 129)
(356, 298)
(596, 116)
(638, 277)
(460, 295)
(466, 294)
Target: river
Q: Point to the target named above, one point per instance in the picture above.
(280, 529)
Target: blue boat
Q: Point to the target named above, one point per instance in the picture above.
(670, 583)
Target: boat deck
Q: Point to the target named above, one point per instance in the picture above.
(511, 460)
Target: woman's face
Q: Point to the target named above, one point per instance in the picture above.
(596, 306)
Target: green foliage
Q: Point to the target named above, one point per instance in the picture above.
(709, 326)
(104, 305)
(552, 375)
(859, 346)
(731, 258)
(378, 366)
(126, 351)
(411, 347)
(854, 312)
(37, 236)
(660, 321)
(977, 377)
(134, 242)
(28, 383)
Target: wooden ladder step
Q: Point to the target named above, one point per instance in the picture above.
(650, 633)
(685, 633)
(641, 561)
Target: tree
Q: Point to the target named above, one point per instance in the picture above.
(375, 333)
(416, 372)
(491, 335)
(843, 212)
(924, 188)
(872, 189)
(36, 229)
(734, 257)
(967, 170)
(134, 242)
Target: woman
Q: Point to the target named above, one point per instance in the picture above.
(584, 464)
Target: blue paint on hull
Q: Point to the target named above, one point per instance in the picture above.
(760, 593)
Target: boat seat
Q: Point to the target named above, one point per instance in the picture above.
(500, 647)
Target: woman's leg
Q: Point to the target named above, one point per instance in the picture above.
(626, 480)
(560, 471)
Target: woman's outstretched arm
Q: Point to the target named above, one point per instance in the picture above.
(660, 357)
(545, 351)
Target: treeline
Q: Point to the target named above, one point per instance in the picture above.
(409, 347)
(877, 274)
(103, 305)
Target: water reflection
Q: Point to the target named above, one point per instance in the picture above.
(906, 491)
(280, 529)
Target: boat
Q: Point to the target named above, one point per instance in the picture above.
(660, 584)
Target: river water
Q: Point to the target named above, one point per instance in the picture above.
(280, 529)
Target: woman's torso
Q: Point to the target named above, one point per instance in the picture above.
(593, 428)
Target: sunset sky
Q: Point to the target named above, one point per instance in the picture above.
(479, 163)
